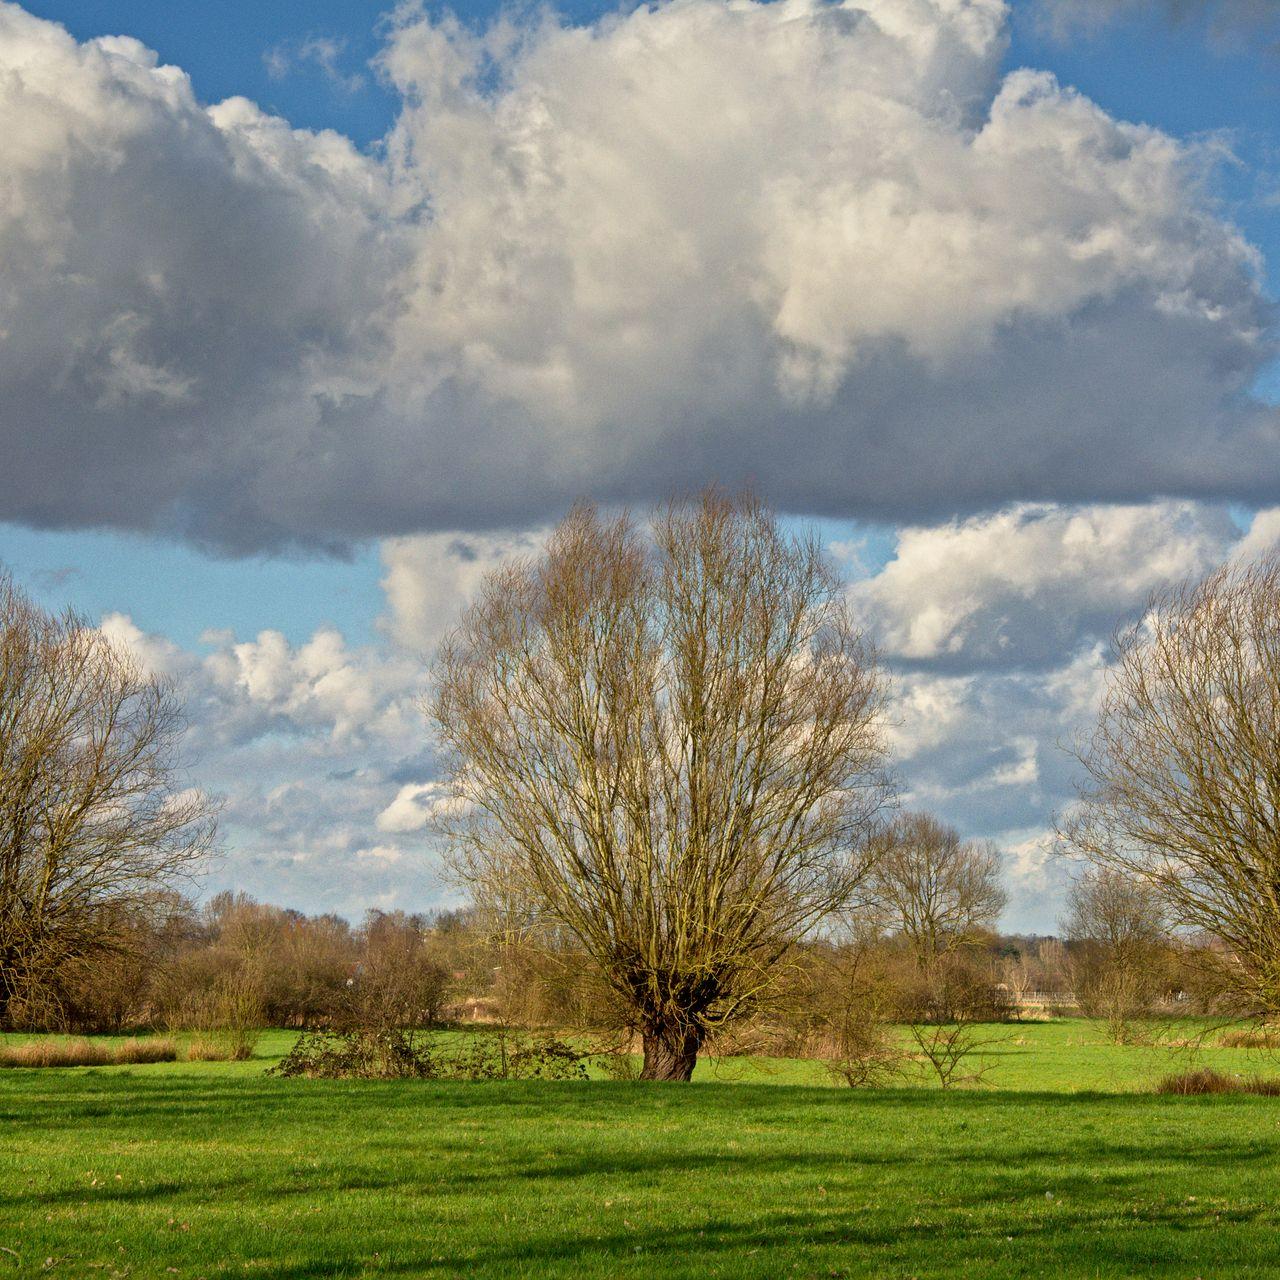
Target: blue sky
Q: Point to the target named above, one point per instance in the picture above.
(274, 401)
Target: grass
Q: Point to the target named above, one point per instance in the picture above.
(213, 1169)
(1250, 1038)
(1203, 1080)
(57, 1051)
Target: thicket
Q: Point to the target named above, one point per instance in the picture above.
(221, 973)
(228, 969)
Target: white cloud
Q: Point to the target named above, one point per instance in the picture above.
(1028, 585)
(823, 247)
(385, 853)
(325, 52)
(414, 806)
(430, 579)
(1263, 535)
(307, 744)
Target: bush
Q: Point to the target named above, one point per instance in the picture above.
(361, 1055)
(381, 1054)
(1205, 1080)
(227, 1018)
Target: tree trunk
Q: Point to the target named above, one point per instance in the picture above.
(670, 1053)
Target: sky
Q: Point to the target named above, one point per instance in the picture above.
(312, 314)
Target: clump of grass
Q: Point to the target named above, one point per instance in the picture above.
(1251, 1038)
(223, 1044)
(79, 1052)
(1205, 1080)
(150, 1049)
(208, 1049)
(55, 1053)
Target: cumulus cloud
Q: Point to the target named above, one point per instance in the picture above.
(821, 247)
(331, 776)
(430, 578)
(990, 753)
(995, 629)
(415, 806)
(308, 745)
(1028, 585)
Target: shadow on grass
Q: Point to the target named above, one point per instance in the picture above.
(901, 1181)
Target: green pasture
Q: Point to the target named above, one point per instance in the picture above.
(1062, 1164)
(1069, 1056)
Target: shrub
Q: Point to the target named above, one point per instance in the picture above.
(227, 1017)
(225, 1044)
(506, 1055)
(381, 1054)
(364, 1054)
(1205, 1080)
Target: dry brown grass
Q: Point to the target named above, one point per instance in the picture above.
(1205, 1080)
(1251, 1038)
(222, 1044)
(207, 1049)
(55, 1053)
(145, 1050)
(79, 1052)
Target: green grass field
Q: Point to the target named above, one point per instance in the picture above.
(1061, 1166)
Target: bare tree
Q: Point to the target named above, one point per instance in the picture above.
(1182, 775)
(94, 822)
(935, 888)
(939, 893)
(667, 747)
(1116, 923)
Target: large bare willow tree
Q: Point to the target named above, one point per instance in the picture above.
(1182, 783)
(665, 744)
(95, 825)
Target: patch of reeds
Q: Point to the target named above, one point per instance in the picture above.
(81, 1052)
(1204, 1080)
(1251, 1038)
(220, 1047)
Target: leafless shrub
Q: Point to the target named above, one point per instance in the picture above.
(951, 1052)
(206, 1048)
(398, 982)
(854, 1001)
(228, 1015)
(1120, 956)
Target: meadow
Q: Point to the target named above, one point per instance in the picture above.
(1063, 1163)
